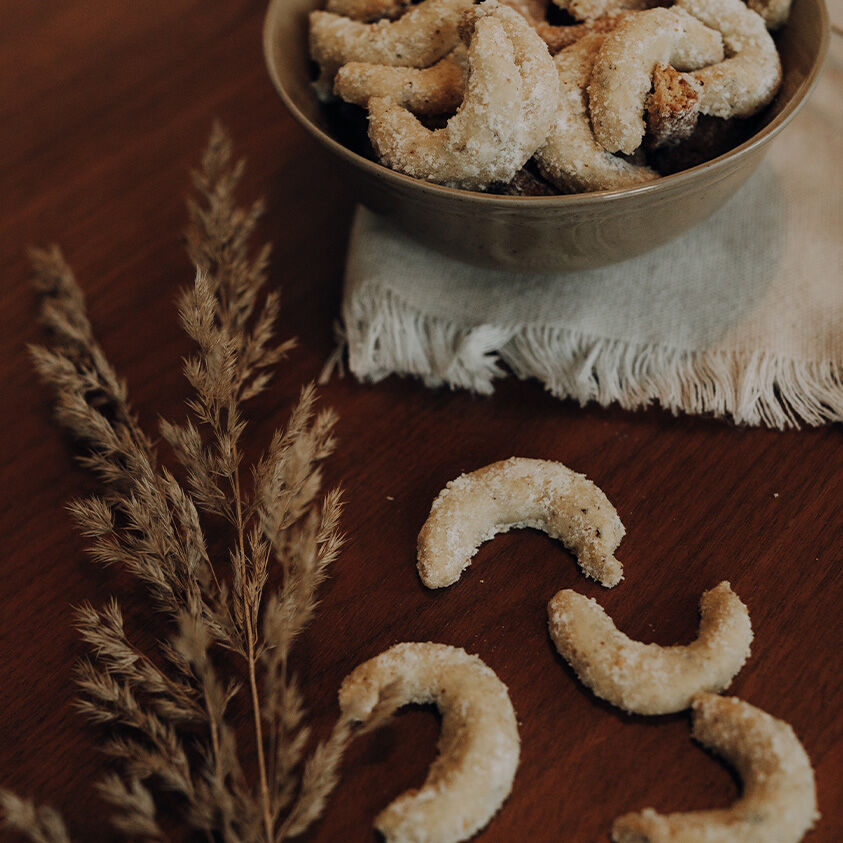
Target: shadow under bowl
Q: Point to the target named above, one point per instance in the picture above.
(544, 233)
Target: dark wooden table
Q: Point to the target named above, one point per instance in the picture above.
(104, 106)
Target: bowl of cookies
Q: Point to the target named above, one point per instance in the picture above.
(538, 135)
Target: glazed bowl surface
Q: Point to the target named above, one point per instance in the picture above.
(544, 233)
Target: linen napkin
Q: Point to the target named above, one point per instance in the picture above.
(741, 318)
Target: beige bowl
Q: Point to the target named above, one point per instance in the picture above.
(547, 232)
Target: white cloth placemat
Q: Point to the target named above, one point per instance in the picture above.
(741, 318)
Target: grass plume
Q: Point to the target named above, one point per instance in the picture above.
(228, 624)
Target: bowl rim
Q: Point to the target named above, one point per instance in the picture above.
(400, 180)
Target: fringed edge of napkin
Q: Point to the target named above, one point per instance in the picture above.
(386, 335)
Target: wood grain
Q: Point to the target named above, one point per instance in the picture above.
(103, 110)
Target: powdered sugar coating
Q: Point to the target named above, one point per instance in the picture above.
(748, 79)
(623, 69)
(648, 678)
(437, 89)
(506, 113)
(422, 36)
(513, 493)
(779, 800)
(571, 158)
(479, 744)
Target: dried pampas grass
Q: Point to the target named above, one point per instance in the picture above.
(227, 624)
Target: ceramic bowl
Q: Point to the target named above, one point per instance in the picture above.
(546, 233)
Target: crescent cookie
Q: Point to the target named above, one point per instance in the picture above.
(571, 158)
(748, 79)
(588, 10)
(430, 90)
(504, 117)
(478, 748)
(420, 37)
(514, 493)
(367, 10)
(559, 37)
(779, 799)
(774, 12)
(533, 10)
(648, 678)
(673, 107)
(623, 70)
